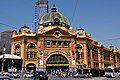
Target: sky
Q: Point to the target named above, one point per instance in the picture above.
(100, 18)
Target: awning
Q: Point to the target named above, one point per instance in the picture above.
(10, 56)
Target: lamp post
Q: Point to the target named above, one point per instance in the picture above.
(12, 66)
(4, 49)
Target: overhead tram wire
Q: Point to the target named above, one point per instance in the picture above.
(8, 26)
(53, 1)
(109, 39)
(74, 11)
(115, 44)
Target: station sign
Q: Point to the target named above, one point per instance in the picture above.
(57, 64)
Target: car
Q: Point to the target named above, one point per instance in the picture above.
(14, 74)
(28, 75)
(40, 75)
(80, 75)
(5, 78)
(3, 73)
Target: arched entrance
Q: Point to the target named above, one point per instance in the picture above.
(30, 67)
(57, 62)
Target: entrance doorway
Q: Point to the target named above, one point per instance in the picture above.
(31, 67)
(57, 62)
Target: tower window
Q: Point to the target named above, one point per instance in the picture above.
(56, 21)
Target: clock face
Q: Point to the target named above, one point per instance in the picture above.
(57, 34)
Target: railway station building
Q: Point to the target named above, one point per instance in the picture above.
(55, 45)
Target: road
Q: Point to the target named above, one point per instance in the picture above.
(71, 78)
(93, 78)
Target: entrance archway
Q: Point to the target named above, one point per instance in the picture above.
(57, 62)
(30, 67)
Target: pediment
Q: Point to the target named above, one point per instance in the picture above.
(57, 31)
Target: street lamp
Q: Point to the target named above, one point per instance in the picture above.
(12, 66)
(4, 49)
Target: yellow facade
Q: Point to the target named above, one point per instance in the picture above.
(56, 45)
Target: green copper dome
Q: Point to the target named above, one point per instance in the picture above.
(54, 18)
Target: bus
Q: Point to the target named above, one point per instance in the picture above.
(111, 71)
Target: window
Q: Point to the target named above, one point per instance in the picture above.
(57, 59)
(78, 46)
(80, 55)
(57, 34)
(54, 42)
(59, 42)
(56, 21)
(48, 42)
(18, 54)
(31, 54)
(31, 45)
(65, 43)
(17, 50)
(17, 46)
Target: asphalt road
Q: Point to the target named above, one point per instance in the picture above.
(93, 78)
(71, 78)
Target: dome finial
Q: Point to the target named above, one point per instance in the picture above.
(53, 9)
(53, 5)
(80, 30)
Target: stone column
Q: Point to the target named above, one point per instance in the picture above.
(85, 55)
(91, 57)
(99, 59)
(12, 47)
(116, 60)
(23, 48)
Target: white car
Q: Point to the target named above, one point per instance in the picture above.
(5, 78)
(80, 75)
(28, 75)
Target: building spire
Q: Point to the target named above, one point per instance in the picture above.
(80, 30)
(53, 9)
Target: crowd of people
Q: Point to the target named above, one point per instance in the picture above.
(60, 73)
(67, 73)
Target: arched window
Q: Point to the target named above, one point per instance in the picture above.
(57, 59)
(31, 51)
(31, 45)
(17, 46)
(56, 21)
(17, 50)
(78, 46)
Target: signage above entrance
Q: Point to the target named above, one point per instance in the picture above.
(57, 64)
